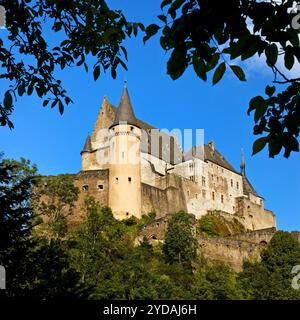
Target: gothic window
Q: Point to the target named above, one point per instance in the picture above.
(85, 188)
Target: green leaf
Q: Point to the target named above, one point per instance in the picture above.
(260, 111)
(270, 90)
(8, 100)
(163, 18)
(275, 147)
(21, 89)
(61, 107)
(45, 103)
(255, 103)
(199, 67)
(165, 3)
(289, 59)
(176, 64)
(219, 73)
(151, 30)
(238, 71)
(96, 72)
(259, 144)
(271, 54)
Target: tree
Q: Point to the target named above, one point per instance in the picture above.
(210, 35)
(271, 279)
(179, 244)
(16, 182)
(54, 200)
(83, 28)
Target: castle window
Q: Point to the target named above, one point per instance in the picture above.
(213, 196)
(117, 180)
(100, 187)
(129, 179)
(203, 181)
(131, 128)
(123, 155)
(127, 214)
(231, 183)
(203, 194)
(85, 188)
(222, 198)
(237, 185)
(196, 195)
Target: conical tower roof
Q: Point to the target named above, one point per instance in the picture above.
(88, 145)
(125, 111)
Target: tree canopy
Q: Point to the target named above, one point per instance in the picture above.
(208, 35)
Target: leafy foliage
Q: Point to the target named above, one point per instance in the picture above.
(271, 279)
(100, 259)
(210, 34)
(179, 244)
(29, 60)
(55, 199)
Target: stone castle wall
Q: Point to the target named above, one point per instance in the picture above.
(232, 251)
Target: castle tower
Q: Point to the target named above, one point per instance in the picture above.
(85, 154)
(125, 168)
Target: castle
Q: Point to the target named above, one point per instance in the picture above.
(134, 168)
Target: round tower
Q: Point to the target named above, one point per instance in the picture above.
(125, 162)
(86, 153)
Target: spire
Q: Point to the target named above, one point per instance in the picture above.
(125, 111)
(88, 145)
(243, 166)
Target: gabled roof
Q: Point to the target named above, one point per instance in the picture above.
(125, 111)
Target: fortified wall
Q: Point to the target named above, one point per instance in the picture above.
(232, 250)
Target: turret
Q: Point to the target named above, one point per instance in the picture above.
(85, 154)
(125, 167)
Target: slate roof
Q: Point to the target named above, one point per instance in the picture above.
(88, 145)
(248, 188)
(125, 111)
(206, 153)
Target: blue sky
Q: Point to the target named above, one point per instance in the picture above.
(54, 142)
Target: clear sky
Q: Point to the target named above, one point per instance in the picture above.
(54, 142)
